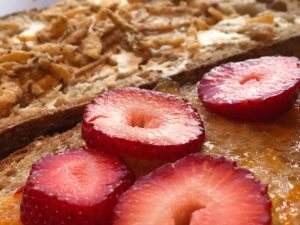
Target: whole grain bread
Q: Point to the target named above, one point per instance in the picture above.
(79, 49)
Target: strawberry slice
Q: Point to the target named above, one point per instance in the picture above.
(196, 190)
(142, 124)
(80, 186)
(253, 90)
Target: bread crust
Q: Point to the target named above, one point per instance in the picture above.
(18, 135)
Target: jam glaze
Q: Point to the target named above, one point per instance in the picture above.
(270, 150)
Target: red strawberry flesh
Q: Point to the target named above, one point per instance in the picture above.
(142, 124)
(196, 190)
(77, 187)
(255, 90)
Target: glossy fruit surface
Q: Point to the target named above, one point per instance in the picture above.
(253, 90)
(143, 124)
(196, 190)
(80, 186)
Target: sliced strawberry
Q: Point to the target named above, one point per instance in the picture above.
(196, 190)
(77, 187)
(142, 124)
(255, 90)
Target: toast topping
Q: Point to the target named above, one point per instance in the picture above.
(142, 124)
(79, 186)
(258, 89)
(196, 190)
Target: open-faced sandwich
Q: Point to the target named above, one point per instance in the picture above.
(220, 150)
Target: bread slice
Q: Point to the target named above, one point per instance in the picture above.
(71, 52)
(269, 150)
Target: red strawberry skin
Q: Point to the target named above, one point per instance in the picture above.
(254, 90)
(80, 186)
(143, 124)
(196, 190)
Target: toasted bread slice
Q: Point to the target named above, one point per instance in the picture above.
(68, 54)
(269, 150)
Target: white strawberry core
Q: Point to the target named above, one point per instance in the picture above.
(145, 116)
(79, 177)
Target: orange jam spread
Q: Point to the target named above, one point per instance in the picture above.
(10, 209)
(270, 150)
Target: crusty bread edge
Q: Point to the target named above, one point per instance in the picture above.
(19, 135)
